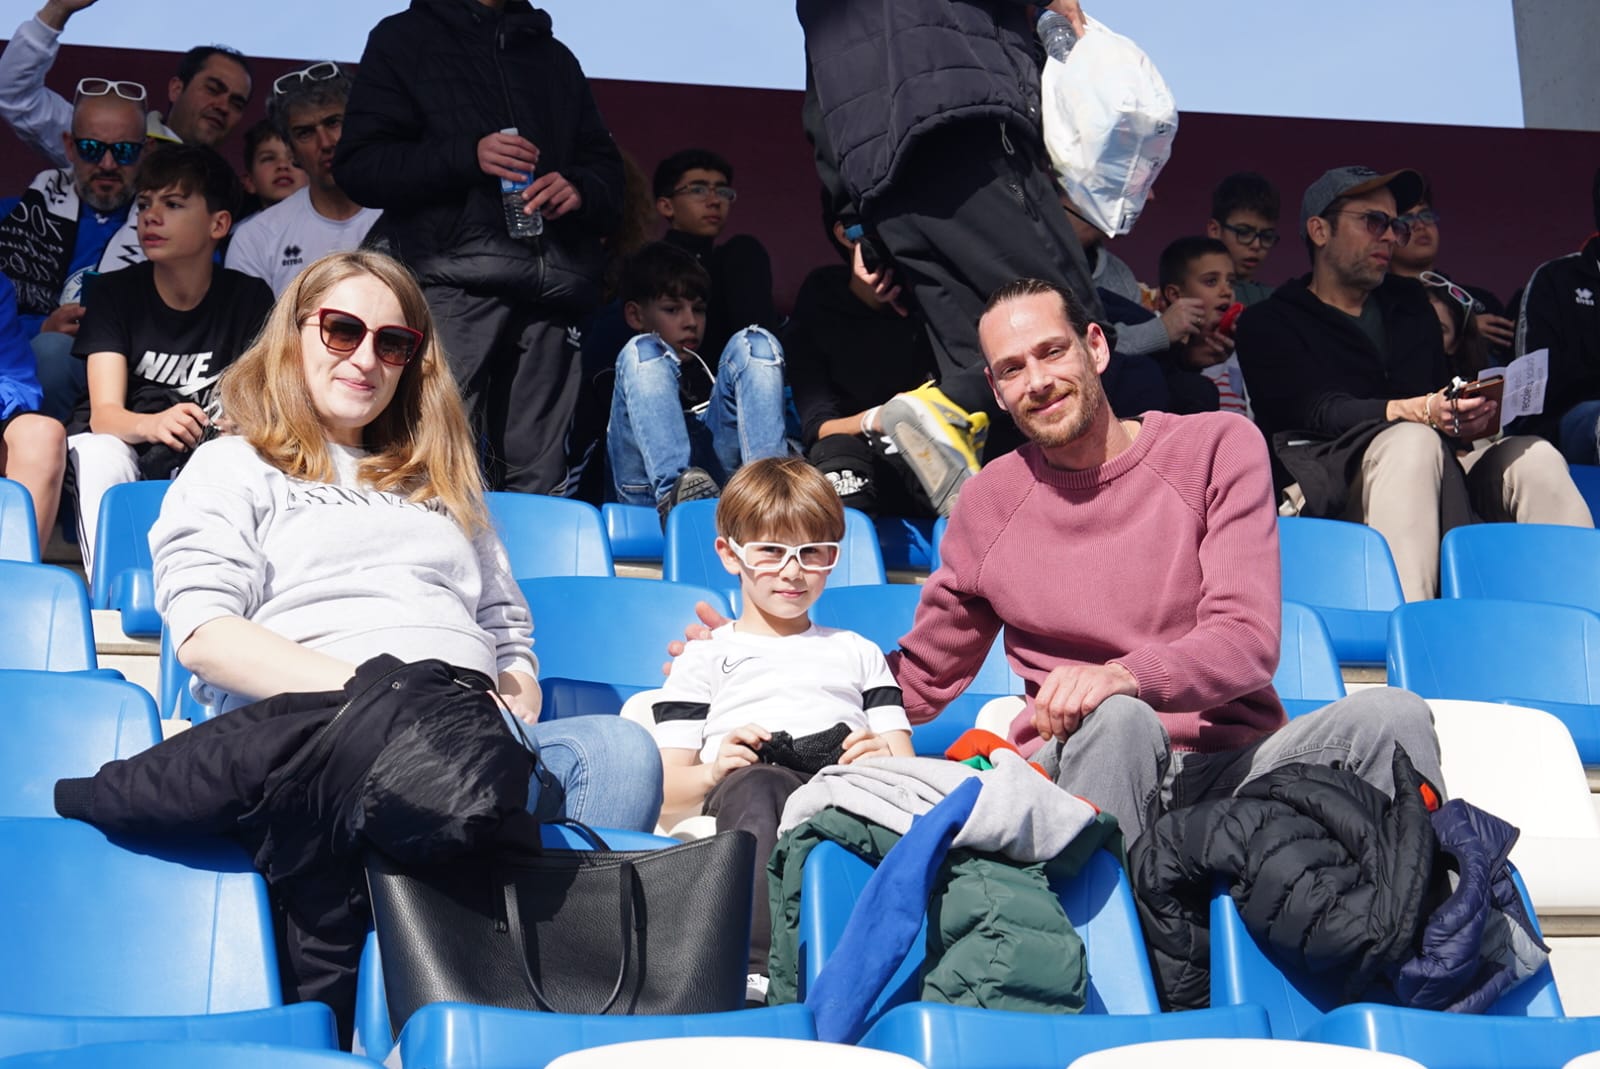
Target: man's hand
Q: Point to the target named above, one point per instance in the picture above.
(553, 195)
(63, 320)
(1074, 13)
(881, 280)
(507, 156)
(1498, 331)
(1072, 692)
(738, 750)
(180, 426)
(710, 619)
(55, 13)
(1183, 317)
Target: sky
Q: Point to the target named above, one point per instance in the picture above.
(1380, 60)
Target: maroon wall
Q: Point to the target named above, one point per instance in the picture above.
(1509, 198)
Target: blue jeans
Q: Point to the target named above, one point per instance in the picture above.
(1580, 433)
(603, 771)
(64, 377)
(651, 440)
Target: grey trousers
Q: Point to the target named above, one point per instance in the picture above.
(1121, 759)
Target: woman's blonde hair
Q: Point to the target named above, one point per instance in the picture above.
(780, 497)
(420, 445)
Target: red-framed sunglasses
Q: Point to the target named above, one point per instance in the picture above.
(342, 333)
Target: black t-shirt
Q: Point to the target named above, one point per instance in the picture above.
(172, 356)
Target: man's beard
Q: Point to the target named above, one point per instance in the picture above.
(1069, 426)
(104, 203)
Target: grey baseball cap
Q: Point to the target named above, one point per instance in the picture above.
(1407, 186)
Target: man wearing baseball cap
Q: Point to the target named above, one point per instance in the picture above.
(1348, 376)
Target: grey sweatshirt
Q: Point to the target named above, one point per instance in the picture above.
(340, 568)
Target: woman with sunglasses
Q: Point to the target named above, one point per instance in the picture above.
(344, 518)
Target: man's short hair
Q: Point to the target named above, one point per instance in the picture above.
(780, 497)
(670, 171)
(196, 57)
(1176, 258)
(307, 93)
(660, 270)
(191, 169)
(1246, 191)
(1077, 318)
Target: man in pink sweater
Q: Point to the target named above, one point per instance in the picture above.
(1133, 565)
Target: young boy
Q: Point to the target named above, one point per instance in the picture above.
(270, 173)
(778, 529)
(1244, 217)
(1202, 269)
(694, 194)
(157, 335)
(679, 427)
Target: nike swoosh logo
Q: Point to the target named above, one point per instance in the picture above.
(728, 666)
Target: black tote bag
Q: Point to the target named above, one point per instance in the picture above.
(568, 931)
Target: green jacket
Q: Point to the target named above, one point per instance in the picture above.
(997, 936)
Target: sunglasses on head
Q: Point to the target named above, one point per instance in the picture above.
(317, 72)
(1249, 235)
(770, 557)
(125, 153)
(342, 333)
(1378, 223)
(1435, 280)
(99, 87)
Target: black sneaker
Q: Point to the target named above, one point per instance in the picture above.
(695, 484)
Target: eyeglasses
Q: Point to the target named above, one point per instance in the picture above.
(705, 190)
(342, 333)
(1467, 301)
(1426, 215)
(125, 153)
(1378, 223)
(317, 72)
(770, 557)
(1249, 235)
(99, 87)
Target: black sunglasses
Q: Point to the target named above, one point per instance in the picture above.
(1248, 235)
(342, 333)
(1378, 223)
(126, 153)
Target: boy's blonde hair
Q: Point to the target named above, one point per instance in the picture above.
(780, 497)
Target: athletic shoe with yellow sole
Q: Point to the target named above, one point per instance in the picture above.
(941, 441)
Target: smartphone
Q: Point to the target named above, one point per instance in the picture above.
(1230, 320)
(1493, 388)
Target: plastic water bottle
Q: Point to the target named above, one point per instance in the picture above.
(519, 224)
(1056, 33)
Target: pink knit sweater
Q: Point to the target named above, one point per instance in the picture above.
(1164, 560)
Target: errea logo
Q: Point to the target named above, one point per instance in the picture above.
(1586, 296)
(291, 256)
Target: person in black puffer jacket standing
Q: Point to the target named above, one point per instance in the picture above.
(424, 139)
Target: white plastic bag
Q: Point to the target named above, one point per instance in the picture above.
(1109, 123)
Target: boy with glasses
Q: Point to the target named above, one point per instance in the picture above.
(1348, 378)
(694, 193)
(157, 336)
(751, 714)
(1244, 217)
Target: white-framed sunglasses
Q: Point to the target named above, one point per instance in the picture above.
(317, 72)
(769, 557)
(99, 87)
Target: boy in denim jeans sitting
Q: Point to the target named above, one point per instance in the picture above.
(749, 715)
(680, 424)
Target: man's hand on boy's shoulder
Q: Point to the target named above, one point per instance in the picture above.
(710, 620)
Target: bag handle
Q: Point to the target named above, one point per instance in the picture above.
(630, 920)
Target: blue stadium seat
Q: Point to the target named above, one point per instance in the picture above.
(883, 614)
(104, 927)
(1098, 901)
(1522, 562)
(1345, 572)
(62, 724)
(1242, 973)
(550, 535)
(307, 1025)
(46, 624)
(1460, 1041)
(906, 543)
(939, 527)
(634, 531)
(600, 639)
(1530, 653)
(1308, 675)
(375, 1035)
(19, 524)
(180, 1054)
(691, 556)
(120, 578)
(1587, 479)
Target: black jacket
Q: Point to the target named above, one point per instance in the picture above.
(888, 71)
(1561, 312)
(433, 81)
(412, 759)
